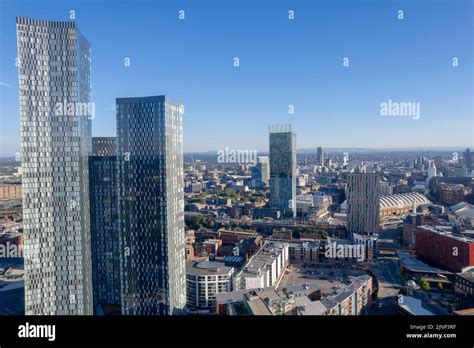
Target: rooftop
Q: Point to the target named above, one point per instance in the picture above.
(403, 199)
(413, 306)
(446, 234)
(307, 307)
(469, 276)
(412, 264)
(207, 268)
(262, 258)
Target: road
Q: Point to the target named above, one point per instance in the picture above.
(390, 282)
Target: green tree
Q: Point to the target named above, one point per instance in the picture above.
(425, 285)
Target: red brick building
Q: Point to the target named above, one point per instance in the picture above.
(450, 194)
(444, 250)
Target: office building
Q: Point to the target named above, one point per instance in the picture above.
(444, 250)
(151, 206)
(363, 203)
(283, 169)
(104, 225)
(451, 194)
(55, 112)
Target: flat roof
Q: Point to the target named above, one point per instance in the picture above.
(446, 234)
(413, 306)
(469, 276)
(207, 268)
(267, 293)
(264, 257)
(310, 308)
(258, 307)
(236, 295)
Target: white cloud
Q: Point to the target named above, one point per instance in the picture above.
(4, 84)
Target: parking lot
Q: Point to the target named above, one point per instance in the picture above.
(329, 280)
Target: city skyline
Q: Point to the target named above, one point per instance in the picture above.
(104, 213)
(324, 94)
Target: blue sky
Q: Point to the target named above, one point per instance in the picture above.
(282, 62)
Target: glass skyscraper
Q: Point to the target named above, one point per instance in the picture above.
(320, 156)
(54, 72)
(283, 169)
(151, 206)
(104, 225)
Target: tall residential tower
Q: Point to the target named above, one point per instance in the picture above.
(151, 206)
(320, 156)
(54, 88)
(363, 203)
(104, 225)
(283, 169)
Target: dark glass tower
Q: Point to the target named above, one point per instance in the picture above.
(104, 225)
(151, 206)
(283, 169)
(320, 156)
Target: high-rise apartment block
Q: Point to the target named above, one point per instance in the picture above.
(151, 206)
(320, 156)
(104, 225)
(55, 112)
(363, 203)
(283, 169)
(468, 162)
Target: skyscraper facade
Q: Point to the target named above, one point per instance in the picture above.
(104, 225)
(363, 203)
(54, 71)
(151, 206)
(320, 156)
(467, 155)
(283, 169)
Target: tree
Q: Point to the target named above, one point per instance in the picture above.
(425, 284)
